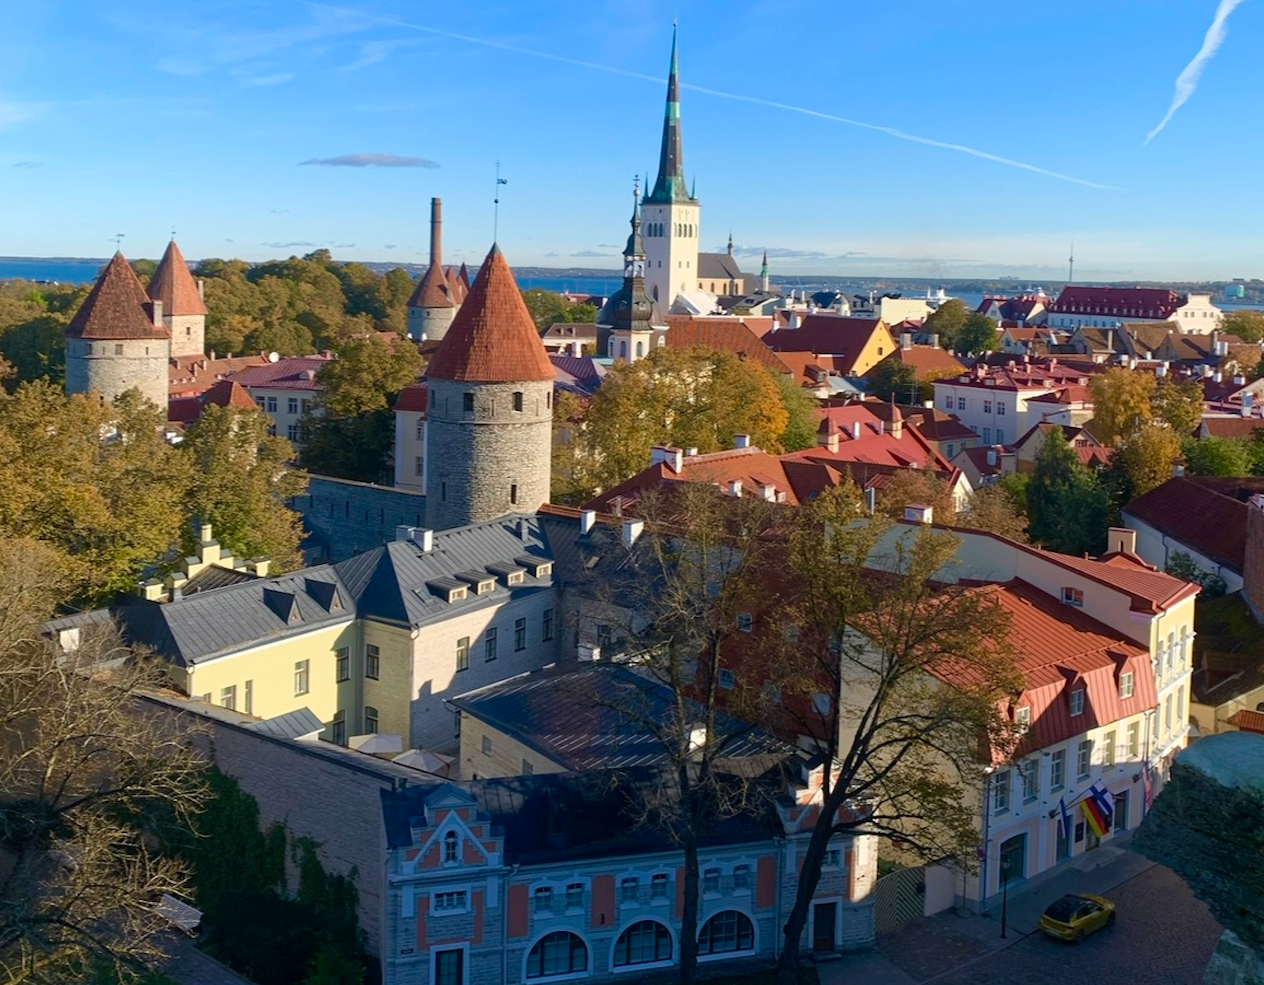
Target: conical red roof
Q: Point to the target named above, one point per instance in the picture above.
(174, 286)
(432, 290)
(492, 338)
(117, 308)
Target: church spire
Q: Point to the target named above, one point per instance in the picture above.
(670, 184)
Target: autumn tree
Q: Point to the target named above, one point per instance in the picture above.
(994, 508)
(1246, 323)
(921, 486)
(1147, 456)
(893, 378)
(947, 321)
(1123, 401)
(1067, 505)
(801, 417)
(80, 762)
(978, 334)
(242, 478)
(571, 482)
(898, 672)
(699, 398)
(1179, 404)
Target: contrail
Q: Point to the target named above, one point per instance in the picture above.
(1187, 81)
(889, 131)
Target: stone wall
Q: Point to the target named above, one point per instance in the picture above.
(481, 460)
(431, 324)
(110, 367)
(188, 334)
(344, 517)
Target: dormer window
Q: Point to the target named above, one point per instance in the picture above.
(1022, 718)
(1073, 596)
(1077, 701)
(450, 843)
(1125, 685)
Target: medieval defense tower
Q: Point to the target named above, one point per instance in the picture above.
(183, 310)
(118, 340)
(490, 408)
(434, 303)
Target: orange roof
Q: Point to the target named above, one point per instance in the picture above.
(1151, 589)
(191, 375)
(1248, 721)
(117, 308)
(730, 333)
(1232, 427)
(432, 290)
(929, 361)
(174, 286)
(492, 339)
(412, 398)
(830, 335)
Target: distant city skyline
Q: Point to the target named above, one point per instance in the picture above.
(975, 140)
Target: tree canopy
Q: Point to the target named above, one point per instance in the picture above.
(1068, 506)
(947, 321)
(549, 307)
(977, 335)
(1246, 323)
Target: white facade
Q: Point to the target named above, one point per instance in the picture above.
(410, 449)
(1198, 315)
(670, 233)
(286, 406)
(999, 415)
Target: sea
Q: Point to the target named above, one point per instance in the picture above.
(75, 270)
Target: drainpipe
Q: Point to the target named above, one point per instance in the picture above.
(987, 819)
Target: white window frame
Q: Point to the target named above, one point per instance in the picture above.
(463, 892)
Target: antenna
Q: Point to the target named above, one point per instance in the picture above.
(496, 202)
(1071, 264)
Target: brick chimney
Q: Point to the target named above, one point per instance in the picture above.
(1253, 569)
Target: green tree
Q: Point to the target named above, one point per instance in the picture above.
(548, 307)
(367, 375)
(1246, 323)
(1147, 456)
(571, 479)
(1180, 404)
(699, 398)
(993, 508)
(802, 420)
(947, 321)
(1068, 507)
(1123, 401)
(242, 479)
(358, 448)
(894, 378)
(978, 335)
(1217, 456)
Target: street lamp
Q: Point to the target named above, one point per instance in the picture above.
(1004, 895)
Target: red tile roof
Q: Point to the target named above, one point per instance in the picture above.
(174, 286)
(1118, 302)
(936, 426)
(843, 338)
(492, 339)
(929, 362)
(117, 308)
(186, 410)
(190, 375)
(1248, 721)
(1152, 590)
(287, 373)
(1206, 513)
(432, 291)
(1232, 427)
(728, 333)
(413, 398)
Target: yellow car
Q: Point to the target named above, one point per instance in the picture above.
(1074, 917)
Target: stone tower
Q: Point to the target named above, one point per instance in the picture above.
(432, 306)
(629, 310)
(670, 214)
(118, 340)
(183, 310)
(489, 413)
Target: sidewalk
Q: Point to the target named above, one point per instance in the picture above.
(928, 948)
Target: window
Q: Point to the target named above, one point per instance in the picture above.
(833, 859)
(338, 729)
(301, 677)
(513, 493)
(629, 889)
(1072, 596)
(1083, 759)
(528, 768)
(1031, 780)
(450, 845)
(741, 878)
(248, 702)
(487, 745)
(547, 632)
(467, 403)
(449, 902)
(489, 644)
(517, 401)
(449, 967)
(306, 404)
(645, 942)
(372, 661)
(1077, 701)
(1000, 408)
(1125, 685)
(228, 696)
(544, 899)
(370, 719)
(1057, 770)
(118, 349)
(1000, 436)
(1108, 749)
(744, 622)
(725, 933)
(1167, 715)
(726, 679)
(711, 880)
(343, 664)
(291, 405)
(419, 465)
(1000, 792)
(987, 436)
(1180, 705)
(961, 403)
(421, 430)
(271, 403)
(520, 634)
(463, 653)
(1134, 739)
(987, 406)
(1022, 718)
(575, 896)
(291, 432)
(558, 953)
(658, 886)
(951, 449)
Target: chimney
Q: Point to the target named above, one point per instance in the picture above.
(919, 513)
(202, 291)
(423, 538)
(587, 520)
(934, 339)
(156, 306)
(741, 441)
(871, 500)
(1239, 380)
(1178, 470)
(991, 456)
(1121, 540)
(631, 531)
(691, 451)
(673, 458)
(906, 340)
(1217, 377)
(523, 528)
(1253, 569)
(1248, 401)
(436, 231)
(735, 487)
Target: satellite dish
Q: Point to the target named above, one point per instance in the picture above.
(273, 356)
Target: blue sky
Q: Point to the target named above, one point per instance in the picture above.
(139, 118)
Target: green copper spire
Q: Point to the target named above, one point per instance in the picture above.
(670, 183)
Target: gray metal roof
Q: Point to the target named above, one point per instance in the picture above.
(291, 725)
(718, 266)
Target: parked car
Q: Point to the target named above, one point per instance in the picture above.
(1074, 917)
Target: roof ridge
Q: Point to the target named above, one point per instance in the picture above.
(117, 307)
(172, 283)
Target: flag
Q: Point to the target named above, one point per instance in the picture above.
(1065, 820)
(1098, 805)
(1105, 799)
(1147, 785)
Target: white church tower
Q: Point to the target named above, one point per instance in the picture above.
(669, 213)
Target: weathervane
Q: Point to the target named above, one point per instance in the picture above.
(496, 202)
(118, 241)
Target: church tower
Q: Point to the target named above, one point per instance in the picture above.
(183, 310)
(489, 413)
(670, 213)
(629, 310)
(432, 306)
(118, 339)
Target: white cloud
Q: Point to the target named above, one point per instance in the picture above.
(370, 161)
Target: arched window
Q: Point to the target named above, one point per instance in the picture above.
(726, 932)
(643, 943)
(450, 847)
(623, 349)
(640, 349)
(517, 400)
(558, 953)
